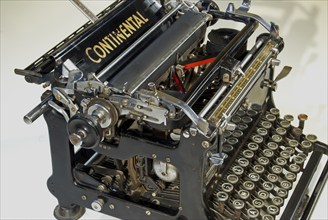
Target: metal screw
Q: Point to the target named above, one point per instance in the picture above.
(186, 134)
(84, 197)
(193, 131)
(97, 205)
(205, 144)
(154, 156)
(111, 206)
(148, 212)
(168, 160)
(101, 187)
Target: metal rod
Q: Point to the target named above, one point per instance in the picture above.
(215, 98)
(35, 113)
(87, 13)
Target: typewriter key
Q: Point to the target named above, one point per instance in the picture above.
(227, 148)
(236, 119)
(277, 201)
(227, 187)
(243, 162)
(237, 170)
(294, 168)
(272, 178)
(258, 203)
(280, 192)
(256, 107)
(242, 126)
(243, 194)
(285, 124)
(272, 146)
(280, 161)
(254, 177)
(276, 169)
(263, 195)
(262, 132)
(275, 111)
(246, 119)
(304, 156)
(276, 138)
(227, 133)
(273, 210)
(248, 154)
(268, 153)
(281, 131)
(232, 141)
(293, 143)
(258, 169)
(248, 185)
(240, 113)
(270, 117)
(285, 154)
(257, 139)
(290, 176)
(267, 217)
(252, 146)
(266, 125)
(267, 186)
(221, 197)
(252, 213)
(299, 161)
(238, 205)
(251, 112)
(290, 150)
(311, 137)
(289, 118)
(237, 133)
(263, 161)
(286, 184)
(306, 146)
(232, 178)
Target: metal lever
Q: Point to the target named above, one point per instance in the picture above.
(89, 14)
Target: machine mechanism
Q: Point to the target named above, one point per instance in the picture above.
(154, 112)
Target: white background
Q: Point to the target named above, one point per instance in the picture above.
(30, 28)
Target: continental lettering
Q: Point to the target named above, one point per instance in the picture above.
(96, 53)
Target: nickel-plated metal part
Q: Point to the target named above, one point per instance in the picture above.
(165, 171)
(35, 113)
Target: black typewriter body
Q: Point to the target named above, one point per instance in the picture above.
(153, 114)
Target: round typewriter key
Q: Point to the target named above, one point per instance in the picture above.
(258, 203)
(298, 160)
(248, 185)
(232, 140)
(304, 156)
(294, 168)
(242, 126)
(248, 154)
(262, 132)
(283, 193)
(227, 148)
(258, 169)
(277, 201)
(270, 117)
(256, 107)
(252, 213)
(253, 146)
(290, 150)
(289, 118)
(222, 196)
(276, 169)
(227, 187)
(240, 113)
(272, 146)
(268, 153)
(263, 161)
(306, 146)
(236, 119)
(281, 131)
(290, 176)
(262, 194)
(285, 185)
(267, 217)
(243, 194)
(238, 170)
(246, 119)
(254, 177)
(257, 139)
(273, 210)
(285, 124)
(273, 178)
(251, 112)
(232, 178)
(293, 143)
(227, 133)
(281, 161)
(267, 186)
(311, 137)
(237, 133)
(275, 111)
(243, 162)
(276, 138)
(238, 204)
(266, 125)
(285, 154)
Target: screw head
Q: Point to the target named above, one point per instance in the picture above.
(205, 144)
(111, 206)
(186, 134)
(84, 197)
(148, 212)
(154, 156)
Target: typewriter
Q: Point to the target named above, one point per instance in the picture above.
(155, 112)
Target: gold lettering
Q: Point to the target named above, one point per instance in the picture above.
(116, 41)
(98, 49)
(142, 17)
(129, 27)
(124, 31)
(105, 45)
(138, 20)
(136, 25)
(119, 36)
(93, 60)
